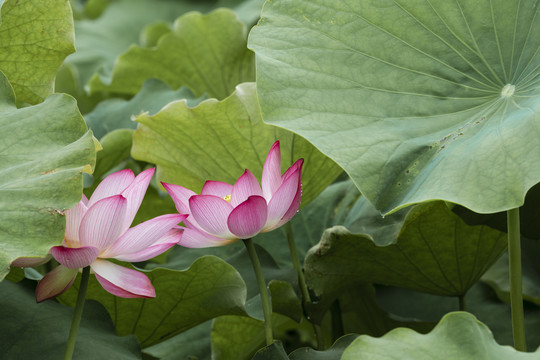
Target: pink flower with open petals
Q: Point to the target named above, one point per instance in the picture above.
(98, 228)
(224, 213)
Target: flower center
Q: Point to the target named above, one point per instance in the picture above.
(67, 242)
(227, 198)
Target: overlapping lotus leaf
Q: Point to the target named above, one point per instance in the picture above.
(416, 100)
(44, 150)
(458, 335)
(218, 140)
(35, 37)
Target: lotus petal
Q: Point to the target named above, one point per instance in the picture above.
(211, 213)
(282, 200)
(195, 238)
(293, 209)
(142, 236)
(121, 281)
(248, 218)
(148, 253)
(102, 224)
(163, 244)
(271, 174)
(297, 166)
(180, 196)
(56, 282)
(73, 221)
(217, 188)
(75, 258)
(134, 193)
(113, 184)
(31, 261)
(246, 186)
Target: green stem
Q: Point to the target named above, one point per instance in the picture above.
(267, 310)
(318, 336)
(461, 303)
(306, 298)
(296, 263)
(516, 296)
(76, 321)
(337, 321)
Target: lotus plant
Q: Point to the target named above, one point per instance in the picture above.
(98, 228)
(224, 213)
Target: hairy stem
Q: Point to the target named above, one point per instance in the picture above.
(461, 302)
(516, 296)
(306, 299)
(77, 314)
(267, 310)
(337, 321)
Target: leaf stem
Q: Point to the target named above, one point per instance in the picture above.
(516, 296)
(337, 321)
(296, 263)
(461, 302)
(77, 314)
(267, 310)
(306, 298)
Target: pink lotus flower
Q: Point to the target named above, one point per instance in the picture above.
(98, 228)
(224, 213)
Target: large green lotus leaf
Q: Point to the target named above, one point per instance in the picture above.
(331, 207)
(116, 113)
(184, 299)
(195, 343)
(271, 271)
(40, 331)
(498, 275)
(416, 100)
(435, 252)
(191, 344)
(458, 335)
(99, 41)
(364, 218)
(236, 337)
(116, 147)
(217, 140)
(480, 300)
(35, 37)
(15, 274)
(206, 53)
(360, 314)
(354, 309)
(529, 216)
(88, 9)
(285, 301)
(247, 10)
(239, 337)
(124, 22)
(333, 353)
(151, 34)
(45, 149)
(274, 351)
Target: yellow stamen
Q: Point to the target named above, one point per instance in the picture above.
(227, 198)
